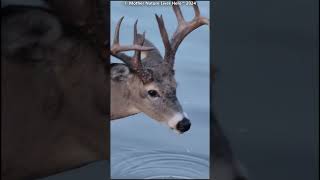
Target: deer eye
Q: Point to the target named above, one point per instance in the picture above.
(153, 93)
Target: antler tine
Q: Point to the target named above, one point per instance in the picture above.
(133, 62)
(135, 32)
(116, 32)
(145, 75)
(196, 10)
(179, 15)
(183, 29)
(137, 41)
(136, 59)
(117, 48)
(197, 15)
(164, 36)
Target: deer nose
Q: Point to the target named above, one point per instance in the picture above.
(183, 125)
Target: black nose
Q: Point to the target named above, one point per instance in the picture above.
(183, 125)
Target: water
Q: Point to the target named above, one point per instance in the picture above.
(159, 164)
(142, 148)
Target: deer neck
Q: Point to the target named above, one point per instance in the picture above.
(121, 105)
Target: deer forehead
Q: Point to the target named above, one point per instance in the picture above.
(151, 86)
(162, 76)
(162, 86)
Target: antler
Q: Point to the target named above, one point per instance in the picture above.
(133, 62)
(183, 29)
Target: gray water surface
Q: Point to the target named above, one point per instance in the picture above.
(142, 148)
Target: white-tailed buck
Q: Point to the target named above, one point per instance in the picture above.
(147, 84)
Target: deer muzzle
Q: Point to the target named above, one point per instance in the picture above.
(180, 123)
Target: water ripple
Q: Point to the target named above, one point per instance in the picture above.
(134, 164)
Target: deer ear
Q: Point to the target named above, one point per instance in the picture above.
(155, 53)
(119, 72)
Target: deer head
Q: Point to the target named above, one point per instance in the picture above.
(147, 84)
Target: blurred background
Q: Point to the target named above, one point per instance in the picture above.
(267, 55)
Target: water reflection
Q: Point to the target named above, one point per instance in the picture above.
(139, 164)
